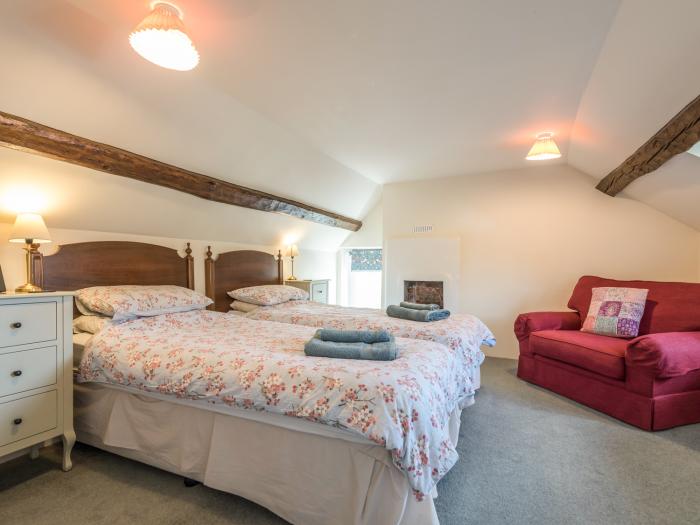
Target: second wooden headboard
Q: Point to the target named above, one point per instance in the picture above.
(238, 269)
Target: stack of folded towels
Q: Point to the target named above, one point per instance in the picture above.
(352, 344)
(417, 312)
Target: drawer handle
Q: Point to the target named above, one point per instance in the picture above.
(18, 421)
(16, 373)
(16, 325)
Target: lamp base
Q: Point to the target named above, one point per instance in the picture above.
(292, 278)
(28, 288)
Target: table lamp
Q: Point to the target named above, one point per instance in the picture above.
(29, 229)
(293, 252)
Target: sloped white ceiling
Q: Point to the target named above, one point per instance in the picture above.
(70, 70)
(320, 100)
(407, 89)
(673, 189)
(648, 70)
(390, 89)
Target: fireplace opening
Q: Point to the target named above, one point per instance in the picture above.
(423, 292)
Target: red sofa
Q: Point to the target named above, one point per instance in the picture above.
(651, 381)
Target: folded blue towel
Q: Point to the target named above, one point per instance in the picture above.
(410, 314)
(376, 352)
(354, 336)
(418, 306)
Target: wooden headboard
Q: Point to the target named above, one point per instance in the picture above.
(105, 263)
(238, 269)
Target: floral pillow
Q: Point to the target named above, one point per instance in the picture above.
(240, 306)
(90, 324)
(122, 303)
(615, 311)
(269, 294)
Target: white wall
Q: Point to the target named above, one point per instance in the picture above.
(370, 235)
(309, 264)
(527, 235)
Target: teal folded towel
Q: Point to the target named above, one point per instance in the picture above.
(354, 336)
(376, 352)
(418, 306)
(410, 314)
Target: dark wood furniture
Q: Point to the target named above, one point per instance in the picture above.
(105, 263)
(238, 269)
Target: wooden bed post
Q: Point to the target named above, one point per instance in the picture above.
(209, 278)
(189, 262)
(280, 267)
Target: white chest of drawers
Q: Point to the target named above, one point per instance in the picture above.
(316, 288)
(36, 379)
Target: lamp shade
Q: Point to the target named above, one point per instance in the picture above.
(29, 227)
(544, 148)
(293, 250)
(161, 38)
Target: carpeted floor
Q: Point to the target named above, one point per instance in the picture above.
(527, 456)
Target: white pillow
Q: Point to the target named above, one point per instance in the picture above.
(122, 303)
(90, 324)
(241, 306)
(269, 294)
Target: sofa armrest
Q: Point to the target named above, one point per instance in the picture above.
(666, 355)
(525, 324)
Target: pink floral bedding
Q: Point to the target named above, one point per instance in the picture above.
(462, 332)
(402, 405)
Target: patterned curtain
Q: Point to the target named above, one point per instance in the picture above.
(366, 260)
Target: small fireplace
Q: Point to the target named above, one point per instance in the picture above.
(423, 292)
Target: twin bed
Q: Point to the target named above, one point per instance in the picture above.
(233, 402)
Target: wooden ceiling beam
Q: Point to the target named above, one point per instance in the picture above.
(24, 135)
(681, 132)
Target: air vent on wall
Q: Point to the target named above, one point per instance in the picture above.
(423, 229)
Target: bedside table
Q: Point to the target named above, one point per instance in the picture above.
(36, 372)
(316, 288)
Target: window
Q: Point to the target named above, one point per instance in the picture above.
(360, 271)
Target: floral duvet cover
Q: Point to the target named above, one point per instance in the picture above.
(402, 405)
(462, 332)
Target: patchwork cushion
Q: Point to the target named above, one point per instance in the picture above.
(616, 312)
(268, 294)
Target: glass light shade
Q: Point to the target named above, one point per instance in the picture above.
(161, 38)
(293, 250)
(544, 148)
(29, 226)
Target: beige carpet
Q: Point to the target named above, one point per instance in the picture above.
(527, 456)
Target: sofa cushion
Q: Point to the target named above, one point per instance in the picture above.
(670, 307)
(615, 311)
(596, 353)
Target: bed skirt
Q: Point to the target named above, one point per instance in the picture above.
(306, 478)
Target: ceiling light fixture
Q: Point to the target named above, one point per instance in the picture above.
(161, 38)
(544, 148)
